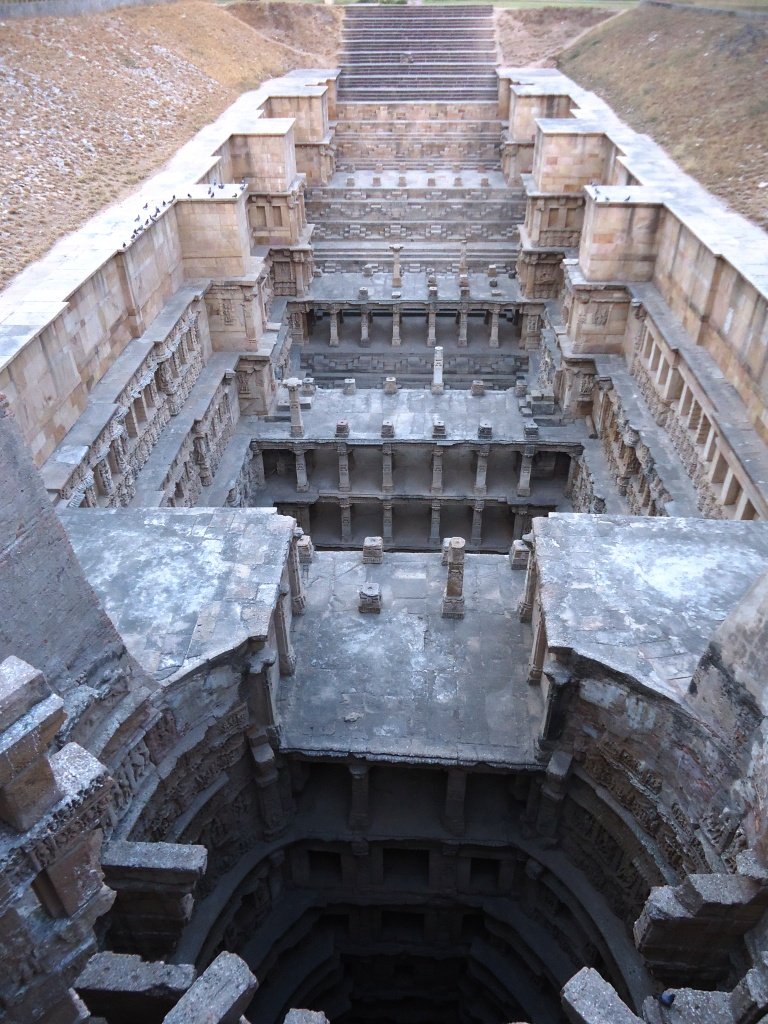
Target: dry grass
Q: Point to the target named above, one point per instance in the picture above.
(697, 83)
(94, 104)
(534, 38)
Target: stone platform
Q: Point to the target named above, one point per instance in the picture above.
(407, 684)
(182, 586)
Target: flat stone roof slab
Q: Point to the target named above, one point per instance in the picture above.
(407, 684)
(413, 410)
(182, 585)
(643, 595)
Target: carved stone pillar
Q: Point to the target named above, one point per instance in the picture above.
(434, 528)
(525, 607)
(552, 794)
(359, 809)
(431, 327)
(302, 481)
(203, 457)
(453, 599)
(482, 470)
(285, 652)
(343, 453)
(258, 466)
(387, 484)
(334, 324)
(437, 470)
(273, 814)
(395, 326)
(298, 594)
(462, 338)
(397, 280)
(293, 384)
(477, 523)
(526, 464)
(387, 525)
(437, 371)
(493, 340)
(345, 509)
(103, 477)
(364, 328)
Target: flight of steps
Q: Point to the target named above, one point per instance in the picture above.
(404, 53)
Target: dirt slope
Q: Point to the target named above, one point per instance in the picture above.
(93, 104)
(534, 38)
(698, 83)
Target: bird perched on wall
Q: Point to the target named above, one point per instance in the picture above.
(666, 998)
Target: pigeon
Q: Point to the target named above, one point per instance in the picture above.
(189, 195)
(221, 186)
(146, 205)
(137, 218)
(666, 998)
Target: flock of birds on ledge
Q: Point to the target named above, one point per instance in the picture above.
(152, 217)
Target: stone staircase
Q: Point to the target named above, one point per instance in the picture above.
(426, 54)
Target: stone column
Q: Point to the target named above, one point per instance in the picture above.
(285, 652)
(343, 453)
(359, 803)
(462, 339)
(493, 341)
(297, 427)
(525, 607)
(482, 470)
(387, 525)
(538, 650)
(298, 595)
(453, 599)
(273, 815)
(397, 280)
(302, 483)
(437, 470)
(431, 327)
(345, 508)
(524, 483)
(477, 523)
(455, 793)
(258, 466)
(387, 484)
(364, 325)
(103, 475)
(395, 326)
(552, 794)
(334, 317)
(437, 371)
(434, 528)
